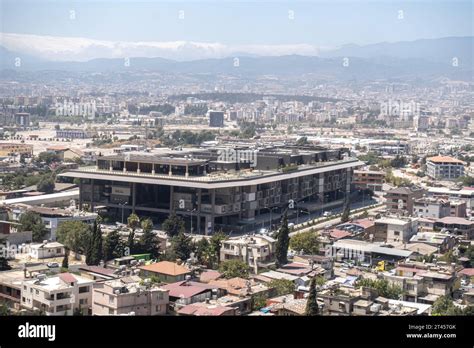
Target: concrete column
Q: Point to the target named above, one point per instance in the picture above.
(170, 171)
(153, 169)
(198, 224)
(92, 195)
(80, 193)
(110, 166)
(124, 167)
(213, 204)
(138, 168)
(187, 171)
(134, 189)
(171, 199)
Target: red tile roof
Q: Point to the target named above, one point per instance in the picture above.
(199, 309)
(166, 267)
(338, 234)
(67, 278)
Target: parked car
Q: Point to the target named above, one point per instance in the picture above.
(53, 264)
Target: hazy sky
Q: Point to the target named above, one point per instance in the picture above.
(323, 23)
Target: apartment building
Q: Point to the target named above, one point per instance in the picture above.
(129, 296)
(11, 149)
(368, 179)
(57, 295)
(400, 199)
(396, 229)
(444, 168)
(256, 251)
(429, 207)
(423, 282)
(228, 188)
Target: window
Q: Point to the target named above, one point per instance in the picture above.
(58, 251)
(396, 233)
(83, 289)
(37, 292)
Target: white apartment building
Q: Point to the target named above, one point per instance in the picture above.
(429, 207)
(58, 295)
(444, 167)
(254, 250)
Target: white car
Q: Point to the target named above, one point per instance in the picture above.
(327, 214)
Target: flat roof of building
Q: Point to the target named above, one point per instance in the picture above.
(210, 181)
(352, 244)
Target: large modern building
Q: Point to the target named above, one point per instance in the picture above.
(229, 189)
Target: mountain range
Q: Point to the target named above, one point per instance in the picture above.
(450, 57)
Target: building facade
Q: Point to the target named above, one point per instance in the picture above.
(444, 168)
(225, 189)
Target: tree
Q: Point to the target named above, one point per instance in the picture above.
(173, 225)
(444, 305)
(65, 263)
(133, 222)
(74, 235)
(282, 286)
(181, 246)
(346, 214)
(48, 157)
(215, 248)
(383, 287)
(94, 248)
(307, 242)
(113, 247)
(46, 184)
(149, 242)
(4, 266)
(234, 268)
(282, 244)
(312, 307)
(30, 221)
(202, 250)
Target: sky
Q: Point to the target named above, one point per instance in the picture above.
(284, 26)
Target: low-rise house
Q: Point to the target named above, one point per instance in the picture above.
(256, 251)
(364, 252)
(396, 229)
(241, 287)
(422, 282)
(337, 302)
(129, 295)
(165, 271)
(57, 295)
(186, 292)
(324, 262)
(46, 250)
(442, 241)
(458, 226)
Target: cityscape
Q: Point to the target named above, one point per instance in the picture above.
(195, 172)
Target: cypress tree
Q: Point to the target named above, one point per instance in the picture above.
(312, 307)
(66, 259)
(282, 244)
